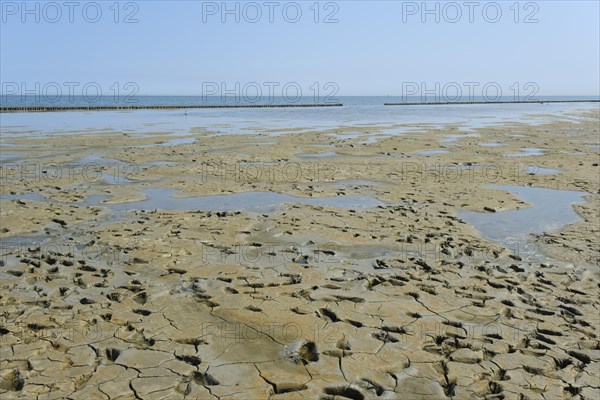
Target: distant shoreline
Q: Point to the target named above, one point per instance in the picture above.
(124, 108)
(182, 107)
(490, 102)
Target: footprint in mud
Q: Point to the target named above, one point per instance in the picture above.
(112, 354)
(495, 389)
(347, 392)
(343, 344)
(207, 302)
(393, 329)
(192, 360)
(204, 379)
(571, 391)
(115, 296)
(385, 337)
(302, 352)
(12, 381)
(328, 315)
(176, 271)
(338, 353)
(428, 289)
(141, 298)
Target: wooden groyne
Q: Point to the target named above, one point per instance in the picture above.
(125, 108)
(454, 103)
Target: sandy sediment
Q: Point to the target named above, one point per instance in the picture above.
(298, 301)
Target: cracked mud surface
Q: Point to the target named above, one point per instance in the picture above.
(401, 301)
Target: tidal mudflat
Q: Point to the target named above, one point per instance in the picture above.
(243, 263)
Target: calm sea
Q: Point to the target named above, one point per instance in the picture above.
(356, 111)
(80, 101)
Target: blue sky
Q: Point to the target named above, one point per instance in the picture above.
(372, 49)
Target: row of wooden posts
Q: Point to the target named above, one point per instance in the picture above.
(118, 108)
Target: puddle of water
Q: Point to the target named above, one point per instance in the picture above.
(552, 209)
(260, 162)
(112, 179)
(397, 131)
(348, 135)
(362, 253)
(373, 139)
(319, 155)
(8, 156)
(97, 158)
(168, 143)
(158, 164)
(527, 151)
(24, 196)
(454, 138)
(265, 143)
(492, 144)
(177, 142)
(534, 169)
(431, 152)
(163, 199)
(463, 167)
(109, 171)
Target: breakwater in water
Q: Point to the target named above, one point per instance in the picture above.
(453, 103)
(118, 108)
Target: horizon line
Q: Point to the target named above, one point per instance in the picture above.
(345, 95)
